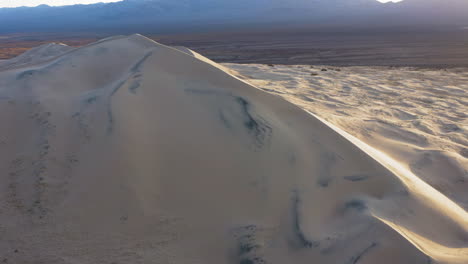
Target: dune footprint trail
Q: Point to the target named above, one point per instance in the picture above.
(128, 151)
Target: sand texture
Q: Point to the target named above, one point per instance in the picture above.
(128, 151)
(417, 116)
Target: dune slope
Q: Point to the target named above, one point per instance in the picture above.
(35, 55)
(128, 151)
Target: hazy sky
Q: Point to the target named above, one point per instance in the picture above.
(15, 3)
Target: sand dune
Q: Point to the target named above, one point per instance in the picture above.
(36, 55)
(128, 151)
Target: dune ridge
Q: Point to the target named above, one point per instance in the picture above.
(127, 150)
(35, 55)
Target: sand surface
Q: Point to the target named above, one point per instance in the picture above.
(128, 151)
(417, 116)
(35, 55)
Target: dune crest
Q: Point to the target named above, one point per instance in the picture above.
(129, 151)
(36, 55)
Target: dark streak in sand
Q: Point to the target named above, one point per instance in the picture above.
(357, 204)
(223, 119)
(248, 247)
(24, 74)
(327, 161)
(110, 116)
(257, 126)
(302, 239)
(91, 99)
(137, 66)
(355, 259)
(134, 86)
(356, 178)
(134, 70)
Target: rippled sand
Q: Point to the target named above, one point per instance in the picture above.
(418, 116)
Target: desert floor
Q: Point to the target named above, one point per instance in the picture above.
(417, 116)
(291, 47)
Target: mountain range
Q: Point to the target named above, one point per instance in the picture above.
(189, 15)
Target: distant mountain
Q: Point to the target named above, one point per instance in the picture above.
(170, 15)
(432, 12)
